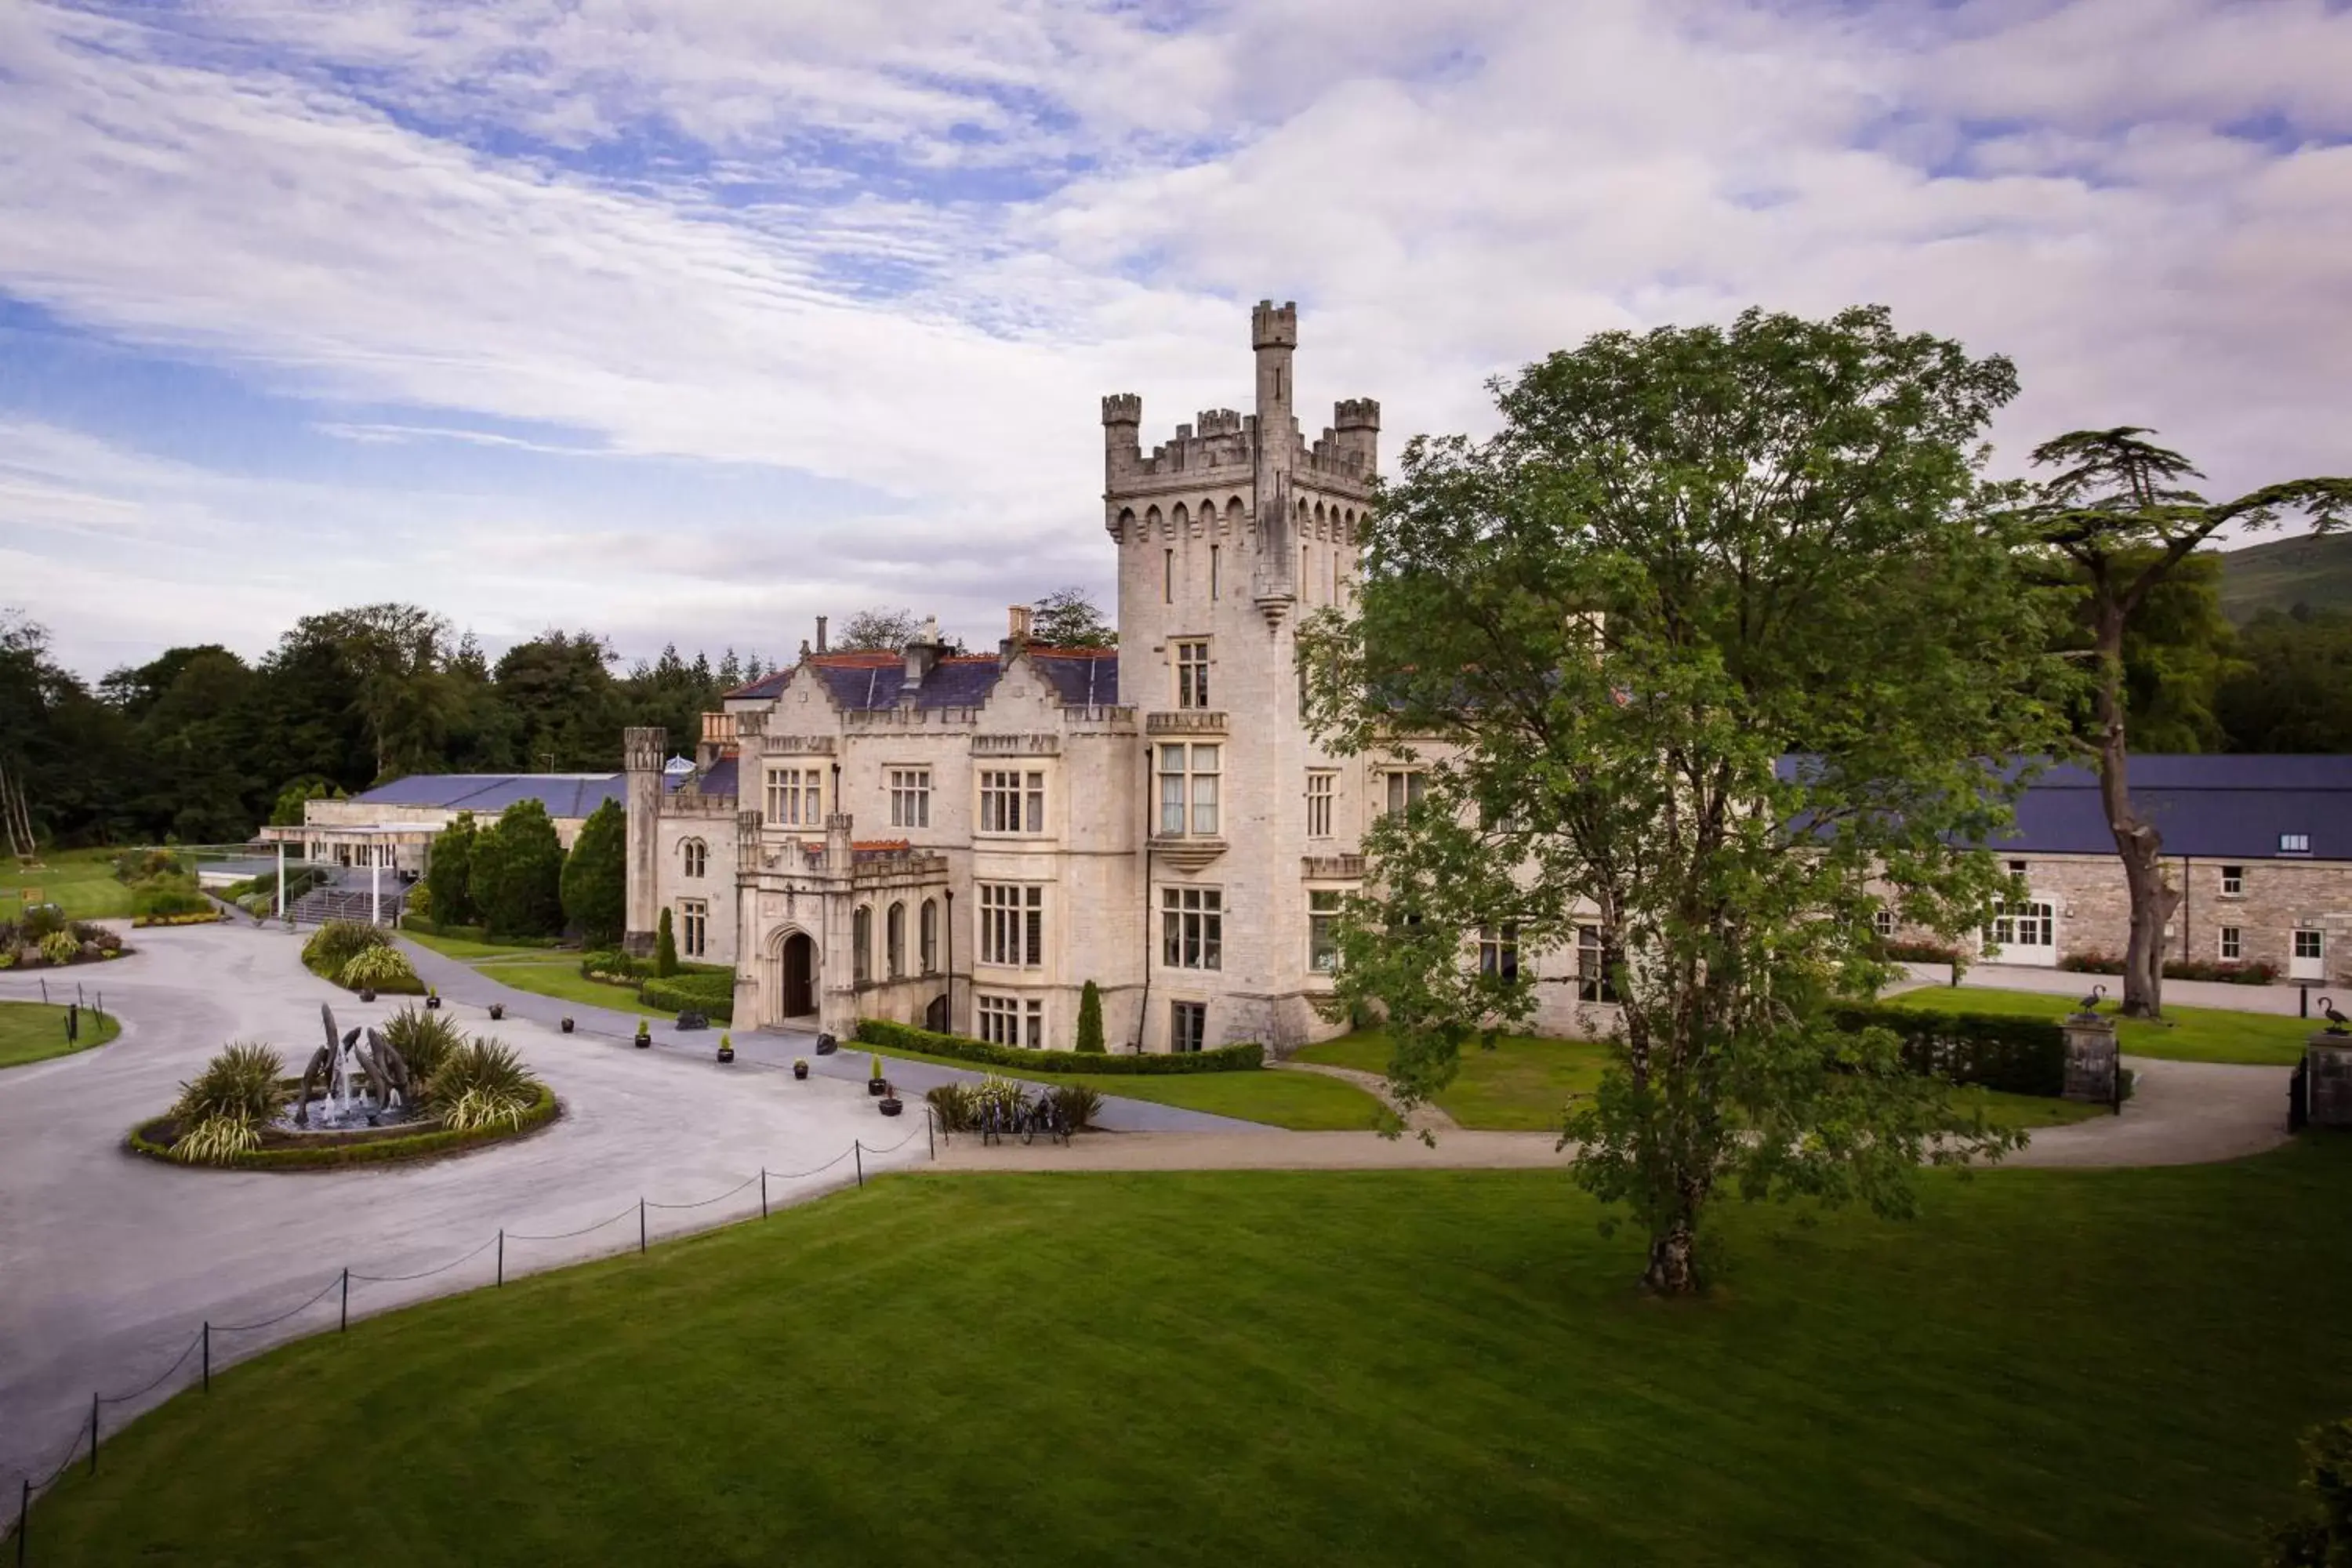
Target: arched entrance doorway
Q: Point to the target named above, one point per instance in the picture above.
(799, 976)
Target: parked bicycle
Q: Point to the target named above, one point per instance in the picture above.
(1044, 1116)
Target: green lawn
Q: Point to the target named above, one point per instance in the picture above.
(2186, 1034)
(1302, 1101)
(465, 948)
(559, 977)
(1522, 1085)
(1404, 1367)
(32, 1032)
(82, 882)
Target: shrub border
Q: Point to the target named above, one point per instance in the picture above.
(882, 1035)
(1999, 1050)
(414, 1146)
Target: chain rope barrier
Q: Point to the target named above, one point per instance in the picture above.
(425, 1273)
(273, 1322)
(176, 1365)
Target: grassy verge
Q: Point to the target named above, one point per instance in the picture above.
(2185, 1035)
(560, 978)
(81, 881)
(1522, 1085)
(33, 1031)
(1368, 1368)
(467, 948)
(1299, 1101)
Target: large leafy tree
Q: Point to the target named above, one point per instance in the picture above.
(450, 871)
(596, 877)
(1067, 617)
(2116, 513)
(2293, 690)
(1601, 635)
(515, 879)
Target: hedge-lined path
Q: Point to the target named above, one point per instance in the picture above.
(2183, 1113)
(1427, 1118)
(110, 1262)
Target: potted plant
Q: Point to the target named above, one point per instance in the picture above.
(432, 998)
(876, 1084)
(367, 992)
(890, 1105)
(800, 1066)
(644, 1037)
(498, 1011)
(726, 1050)
(567, 1025)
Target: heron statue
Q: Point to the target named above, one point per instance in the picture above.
(2091, 1004)
(2338, 1024)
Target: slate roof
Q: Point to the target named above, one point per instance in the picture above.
(722, 778)
(563, 794)
(867, 681)
(2217, 807)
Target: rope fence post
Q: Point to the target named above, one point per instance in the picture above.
(858, 1145)
(209, 1355)
(344, 1320)
(502, 1257)
(930, 1133)
(764, 1192)
(641, 1227)
(93, 1432)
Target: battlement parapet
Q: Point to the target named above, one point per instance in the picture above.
(685, 803)
(1122, 408)
(1273, 327)
(1357, 414)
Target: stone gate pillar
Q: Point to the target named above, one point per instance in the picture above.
(2091, 1058)
(2327, 1079)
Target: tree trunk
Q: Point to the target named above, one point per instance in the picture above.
(2138, 842)
(1672, 1271)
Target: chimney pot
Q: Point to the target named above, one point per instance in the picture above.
(820, 633)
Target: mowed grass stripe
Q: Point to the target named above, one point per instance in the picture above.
(1369, 1367)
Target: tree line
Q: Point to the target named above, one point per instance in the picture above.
(199, 745)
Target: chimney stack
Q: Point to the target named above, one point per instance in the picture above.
(1017, 623)
(820, 633)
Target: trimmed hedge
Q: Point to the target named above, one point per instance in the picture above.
(206, 916)
(2256, 972)
(2016, 1055)
(885, 1036)
(473, 933)
(711, 994)
(283, 1157)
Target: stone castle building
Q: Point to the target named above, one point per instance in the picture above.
(966, 840)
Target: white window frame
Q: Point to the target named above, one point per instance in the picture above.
(1012, 918)
(2318, 942)
(1322, 794)
(693, 927)
(2233, 881)
(1882, 922)
(910, 796)
(1323, 907)
(795, 797)
(1499, 950)
(1012, 801)
(1594, 983)
(1181, 1013)
(1190, 805)
(1405, 788)
(1191, 927)
(2295, 844)
(1010, 1020)
(1192, 659)
(2232, 944)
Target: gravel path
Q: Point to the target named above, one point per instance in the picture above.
(1421, 1119)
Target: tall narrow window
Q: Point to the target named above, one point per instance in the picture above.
(696, 855)
(1012, 925)
(1406, 791)
(2233, 947)
(694, 926)
(1188, 791)
(1213, 572)
(1498, 951)
(1012, 801)
(1168, 577)
(910, 797)
(861, 945)
(1323, 930)
(1321, 785)
(796, 797)
(1306, 573)
(931, 936)
(1593, 980)
(1192, 675)
(893, 941)
(1188, 1026)
(1192, 928)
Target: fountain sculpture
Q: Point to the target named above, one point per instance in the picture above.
(346, 1072)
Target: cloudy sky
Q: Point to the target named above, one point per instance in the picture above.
(692, 320)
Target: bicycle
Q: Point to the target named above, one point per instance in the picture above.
(1043, 1114)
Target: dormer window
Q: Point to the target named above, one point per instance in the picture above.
(2295, 844)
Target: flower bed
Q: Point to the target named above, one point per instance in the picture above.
(315, 1151)
(208, 917)
(2259, 972)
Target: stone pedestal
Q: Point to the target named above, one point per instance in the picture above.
(2327, 1076)
(2091, 1058)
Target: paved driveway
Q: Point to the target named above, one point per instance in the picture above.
(109, 1262)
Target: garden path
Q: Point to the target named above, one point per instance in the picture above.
(1420, 1119)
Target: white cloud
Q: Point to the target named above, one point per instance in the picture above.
(685, 256)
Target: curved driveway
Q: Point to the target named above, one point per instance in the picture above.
(110, 1262)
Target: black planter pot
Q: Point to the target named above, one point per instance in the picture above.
(876, 1086)
(643, 1041)
(891, 1106)
(432, 1004)
(367, 994)
(826, 1044)
(726, 1053)
(567, 1026)
(498, 1011)
(800, 1070)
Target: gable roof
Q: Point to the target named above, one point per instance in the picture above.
(563, 794)
(865, 682)
(2219, 807)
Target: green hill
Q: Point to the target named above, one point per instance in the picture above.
(2280, 574)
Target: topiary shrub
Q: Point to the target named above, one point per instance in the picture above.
(1090, 1027)
(711, 994)
(665, 948)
